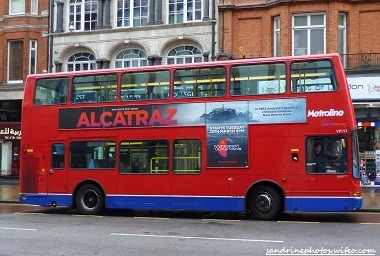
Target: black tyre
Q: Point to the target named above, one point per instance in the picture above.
(89, 200)
(265, 203)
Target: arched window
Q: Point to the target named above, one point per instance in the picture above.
(184, 54)
(81, 61)
(131, 58)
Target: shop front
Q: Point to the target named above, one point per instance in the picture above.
(10, 137)
(365, 93)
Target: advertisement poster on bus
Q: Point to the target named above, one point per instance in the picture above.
(227, 134)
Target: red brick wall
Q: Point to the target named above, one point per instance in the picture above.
(246, 27)
(23, 27)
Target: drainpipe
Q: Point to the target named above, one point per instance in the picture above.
(50, 38)
(213, 30)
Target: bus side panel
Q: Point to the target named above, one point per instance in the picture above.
(30, 183)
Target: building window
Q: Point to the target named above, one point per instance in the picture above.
(33, 57)
(81, 61)
(184, 11)
(342, 35)
(132, 13)
(131, 58)
(15, 60)
(276, 37)
(83, 14)
(309, 34)
(34, 7)
(16, 6)
(184, 54)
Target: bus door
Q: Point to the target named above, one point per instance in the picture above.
(32, 178)
(194, 187)
(57, 173)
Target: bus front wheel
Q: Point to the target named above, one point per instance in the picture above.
(265, 203)
(89, 200)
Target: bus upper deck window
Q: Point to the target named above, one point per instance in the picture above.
(98, 88)
(51, 91)
(258, 79)
(145, 85)
(313, 76)
(200, 82)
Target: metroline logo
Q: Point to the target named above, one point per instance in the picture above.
(225, 145)
(323, 113)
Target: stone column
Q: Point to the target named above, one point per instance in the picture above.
(206, 10)
(151, 10)
(106, 64)
(59, 18)
(157, 60)
(107, 13)
(158, 12)
(100, 15)
(58, 66)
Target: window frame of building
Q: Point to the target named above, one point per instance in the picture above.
(16, 7)
(342, 36)
(131, 14)
(34, 7)
(309, 27)
(276, 36)
(179, 12)
(176, 53)
(90, 62)
(88, 20)
(33, 57)
(131, 58)
(11, 59)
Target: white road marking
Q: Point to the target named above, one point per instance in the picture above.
(200, 238)
(18, 229)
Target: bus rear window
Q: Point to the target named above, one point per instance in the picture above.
(313, 76)
(145, 85)
(199, 82)
(258, 79)
(51, 91)
(99, 88)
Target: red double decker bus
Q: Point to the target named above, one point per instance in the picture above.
(256, 135)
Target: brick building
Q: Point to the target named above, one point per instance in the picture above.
(267, 28)
(23, 51)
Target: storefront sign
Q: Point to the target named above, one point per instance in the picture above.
(10, 131)
(364, 87)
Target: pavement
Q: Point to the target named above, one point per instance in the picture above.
(10, 188)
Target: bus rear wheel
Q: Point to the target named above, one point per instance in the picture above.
(89, 200)
(265, 203)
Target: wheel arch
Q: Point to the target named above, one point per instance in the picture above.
(88, 182)
(269, 183)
